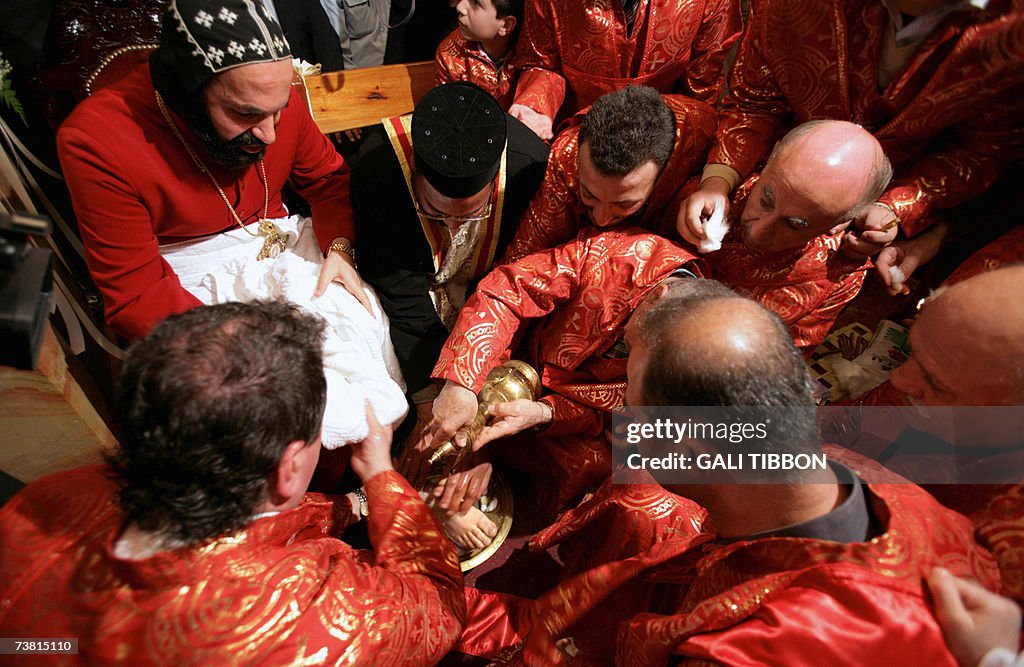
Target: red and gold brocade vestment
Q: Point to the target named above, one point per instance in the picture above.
(556, 213)
(997, 510)
(675, 46)
(790, 601)
(950, 122)
(457, 59)
(280, 591)
(582, 293)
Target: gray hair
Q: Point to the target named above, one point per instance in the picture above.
(881, 168)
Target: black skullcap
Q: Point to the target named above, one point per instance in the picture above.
(202, 38)
(458, 135)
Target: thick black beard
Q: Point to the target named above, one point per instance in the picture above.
(225, 152)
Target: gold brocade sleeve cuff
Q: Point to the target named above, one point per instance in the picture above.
(730, 175)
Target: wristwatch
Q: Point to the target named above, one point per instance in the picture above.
(342, 245)
(364, 507)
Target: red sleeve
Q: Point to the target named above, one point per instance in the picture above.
(505, 298)
(320, 176)
(569, 417)
(405, 604)
(755, 109)
(830, 624)
(446, 59)
(719, 30)
(979, 153)
(139, 288)
(551, 217)
(541, 84)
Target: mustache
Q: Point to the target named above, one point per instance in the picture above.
(246, 138)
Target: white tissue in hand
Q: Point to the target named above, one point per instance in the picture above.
(714, 231)
(896, 274)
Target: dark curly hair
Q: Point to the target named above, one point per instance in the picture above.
(207, 404)
(628, 128)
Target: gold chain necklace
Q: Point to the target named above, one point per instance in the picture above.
(274, 243)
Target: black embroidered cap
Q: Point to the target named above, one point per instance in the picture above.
(201, 38)
(458, 135)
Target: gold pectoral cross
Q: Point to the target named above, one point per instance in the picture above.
(274, 244)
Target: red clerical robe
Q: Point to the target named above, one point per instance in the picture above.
(584, 291)
(950, 122)
(1000, 527)
(639, 513)
(459, 60)
(996, 509)
(556, 212)
(676, 46)
(807, 287)
(791, 601)
(141, 190)
(1006, 250)
(280, 591)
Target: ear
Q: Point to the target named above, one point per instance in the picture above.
(291, 471)
(655, 294)
(508, 26)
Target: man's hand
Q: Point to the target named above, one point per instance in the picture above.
(351, 136)
(536, 121)
(464, 485)
(712, 195)
(907, 257)
(973, 620)
(373, 454)
(414, 464)
(454, 409)
(338, 267)
(512, 417)
(870, 232)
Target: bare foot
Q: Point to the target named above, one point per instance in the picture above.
(470, 530)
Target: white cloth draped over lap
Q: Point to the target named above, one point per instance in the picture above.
(359, 359)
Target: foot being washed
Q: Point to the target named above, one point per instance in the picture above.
(470, 530)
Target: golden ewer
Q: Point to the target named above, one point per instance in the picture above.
(509, 381)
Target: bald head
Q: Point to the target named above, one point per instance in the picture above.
(839, 157)
(821, 174)
(729, 360)
(967, 344)
(709, 346)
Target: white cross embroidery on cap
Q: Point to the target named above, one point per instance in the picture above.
(204, 19)
(227, 16)
(236, 49)
(215, 54)
(257, 46)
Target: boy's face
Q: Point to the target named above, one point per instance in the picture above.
(478, 20)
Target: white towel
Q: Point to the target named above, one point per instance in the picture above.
(715, 229)
(359, 359)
